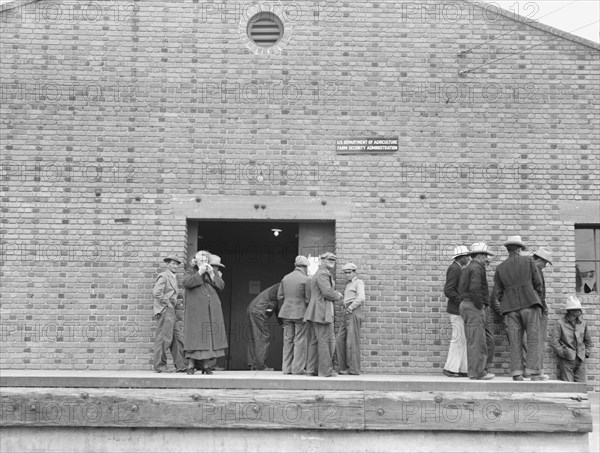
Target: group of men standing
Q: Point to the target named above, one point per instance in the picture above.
(519, 296)
(304, 305)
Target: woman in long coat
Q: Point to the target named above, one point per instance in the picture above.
(205, 338)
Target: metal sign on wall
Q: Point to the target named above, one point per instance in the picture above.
(366, 145)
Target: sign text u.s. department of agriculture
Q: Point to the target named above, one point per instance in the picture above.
(366, 145)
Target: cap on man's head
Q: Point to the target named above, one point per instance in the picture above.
(328, 256)
(515, 240)
(349, 267)
(301, 261)
(172, 258)
(544, 254)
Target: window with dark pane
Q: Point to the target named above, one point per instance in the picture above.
(265, 29)
(587, 258)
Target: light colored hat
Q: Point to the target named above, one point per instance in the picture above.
(301, 261)
(172, 258)
(349, 267)
(328, 256)
(515, 240)
(460, 250)
(215, 260)
(573, 303)
(544, 254)
(480, 247)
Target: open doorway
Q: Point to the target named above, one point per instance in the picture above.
(255, 258)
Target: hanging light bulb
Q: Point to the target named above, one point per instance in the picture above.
(276, 231)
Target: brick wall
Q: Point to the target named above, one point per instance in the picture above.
(112, 112)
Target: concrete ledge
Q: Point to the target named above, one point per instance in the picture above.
(117, 440)
(274, 380)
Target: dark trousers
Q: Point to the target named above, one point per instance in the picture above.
(518, 322)
(295, 347)
(572, 370)
(478, 337)
(348, 342)
(168, 336)
(321, 349)
(312, 349)
(489, 337)
(259, 339)
(543, 337)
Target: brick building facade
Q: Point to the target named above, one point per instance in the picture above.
(134, 129)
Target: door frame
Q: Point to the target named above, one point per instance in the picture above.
(193, 228)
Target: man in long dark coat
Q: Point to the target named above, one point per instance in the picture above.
(259, 311)
(205, 337)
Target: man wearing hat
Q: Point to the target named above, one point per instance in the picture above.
(572, 342)
(168, 333)
(259, 311)
(294, 295)
(542, 258)
(320, 314)
(518, 288)
(348, 339)
(475, 298)
(456, 363)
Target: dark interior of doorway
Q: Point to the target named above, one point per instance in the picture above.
(255, 259)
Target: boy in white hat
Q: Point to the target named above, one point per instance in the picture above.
(456, 363)
(572, 342)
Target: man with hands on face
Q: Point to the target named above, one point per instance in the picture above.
(205, 336)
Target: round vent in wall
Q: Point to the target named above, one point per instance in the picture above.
(265, 29)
